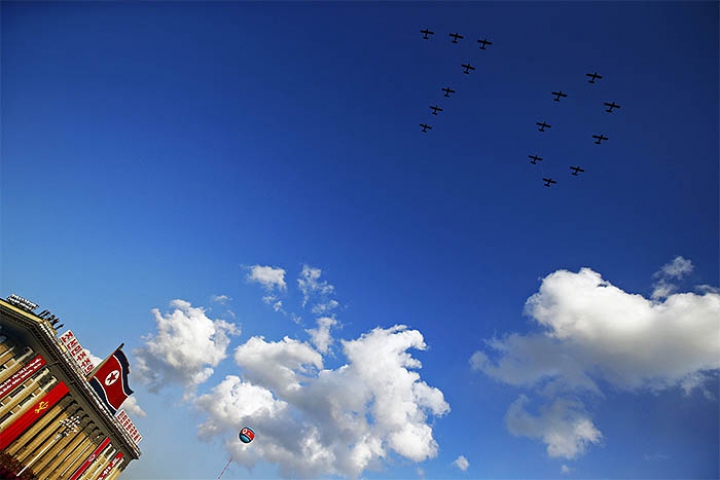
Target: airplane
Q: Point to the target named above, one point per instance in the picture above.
(611, 105)
(559, 94)
(542, 126)
(593, 76)
(426, 32)
(467, 68)
(484, 42)
(425, 127)
(535, 159)
(455, 37)
(448, 91)
(600, 138)
(435, 109)
(577, 169)
(548, 181)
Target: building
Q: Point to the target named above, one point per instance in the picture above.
(53, 424)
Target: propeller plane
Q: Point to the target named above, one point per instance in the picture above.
(558, 95)
(600, 138)
(543, 125)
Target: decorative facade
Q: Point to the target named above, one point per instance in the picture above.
(53, 425)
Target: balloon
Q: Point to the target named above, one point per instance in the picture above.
(246, 435)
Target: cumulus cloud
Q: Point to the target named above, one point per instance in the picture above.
(595, 330)
(595, 333)
(320, 336)
(184, 350)
(315, 421)
(563, 426)
(272, 278)
(462, 463)
(565, 470)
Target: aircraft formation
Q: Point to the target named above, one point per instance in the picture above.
(599, 138)
(543, 125)
(466, 69)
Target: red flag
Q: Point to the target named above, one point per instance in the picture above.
(110, 380)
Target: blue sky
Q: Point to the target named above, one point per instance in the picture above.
(159, 157)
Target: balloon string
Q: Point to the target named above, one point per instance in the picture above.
(223, 470)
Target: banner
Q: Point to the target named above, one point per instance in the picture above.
(39, 408)
(88, 461)
(129, 426)
(110, 380)
(77, 351)
(21, 375)
(106, 471)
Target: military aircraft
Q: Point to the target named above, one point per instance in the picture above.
(455, 37)
(577, 169)
(435, 109)
(535, 159)
(484, 42)
(593, 76)
(548, 181)
(425, 127)
(542, 126)
(559, 94)
(610, 106)
(600, 138)
(448, 91)
(426, 32)
(467, 68)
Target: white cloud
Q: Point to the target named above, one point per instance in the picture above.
(563, 426)
(462, 463)
(320, 336)
(279, 366)
(313, 421)
(677, 268)
(674, 270)
(93, 358)
(132, 407)
(593, 329)
(595, 333)
(221, 299)
(324, 308)
(185, 348)
(310, 286)
(565, 470)
(273, 301)
(269, 277)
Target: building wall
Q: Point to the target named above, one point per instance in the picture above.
(49, 449)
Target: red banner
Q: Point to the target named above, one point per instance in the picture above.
(88, 461)
(109, 468)
(21, 375)
(35, 412)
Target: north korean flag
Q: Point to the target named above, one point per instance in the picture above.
(110, 380)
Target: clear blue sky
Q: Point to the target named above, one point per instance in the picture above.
(161, 151)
